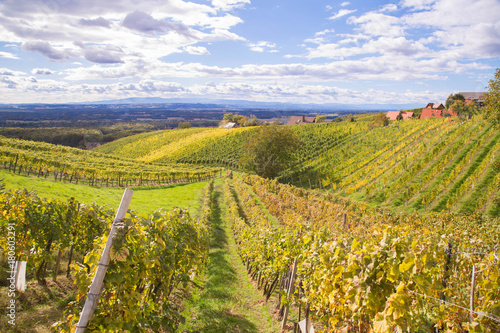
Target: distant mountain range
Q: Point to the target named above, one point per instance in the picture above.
(223, 103)
(198, 103)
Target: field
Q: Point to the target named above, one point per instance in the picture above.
(146, 199)
(381, 228)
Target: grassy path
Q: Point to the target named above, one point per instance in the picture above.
(227, 301)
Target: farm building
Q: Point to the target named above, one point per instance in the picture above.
(476, 97)
(435, 106)
(296, 120)
(230, 125)
(436, 113)
(393, 115)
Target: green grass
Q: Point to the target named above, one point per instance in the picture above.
(227, 301)
(144, 201)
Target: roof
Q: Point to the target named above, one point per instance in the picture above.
(229, 125)
(474, 96)
(294, 120)
(435, 106)
(431, 113)
(393, 115)
(407, 115)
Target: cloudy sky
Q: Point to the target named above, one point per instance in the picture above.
(305, 51)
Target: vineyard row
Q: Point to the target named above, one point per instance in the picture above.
(366, 275)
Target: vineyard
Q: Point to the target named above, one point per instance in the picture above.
(152, 255)
(385, 229)
(370, 271)
(427, 165)
(79, 166)
(212, 146)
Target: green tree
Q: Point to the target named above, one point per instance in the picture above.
(452, 99)
(270, 150)
(320, 119)
(471, 109)
(492, 100)
(252, 121)
(184, 124)
(380, 121)
(458, 106)
(233, 118)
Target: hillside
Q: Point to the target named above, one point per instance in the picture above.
(392, 268)
(75, 165)
(417, 165)
(212, 146)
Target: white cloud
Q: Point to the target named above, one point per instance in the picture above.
(54, 91)
(8, 55)
(378, 24)
(128, 45)
(44, 48)
(229, 4)
(104, 26)
(342, 12)
(199, 50)
(263, 46)
(384, 46)
(417, 4)
(468, 29)
(389, 8)
(99, 22)
(9, 72)
(41, 71)
(320, 37)
(145, 23)
(324, 32)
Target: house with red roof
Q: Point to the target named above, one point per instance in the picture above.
(431, 113)
(393, 115)
(435, 106)
(436, 110)
(296, 120)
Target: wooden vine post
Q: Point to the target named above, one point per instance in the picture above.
(472, 288)
(290, 292)
(97, 281)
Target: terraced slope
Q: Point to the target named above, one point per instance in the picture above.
(71, 164)
(195, 145)
(423, 165)
(430, 165)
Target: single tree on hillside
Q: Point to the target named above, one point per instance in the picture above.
(270, 150)
(464, 110)
(452, 99)
(380, 121)
(492, 100)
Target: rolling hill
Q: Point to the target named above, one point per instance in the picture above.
(416, 165)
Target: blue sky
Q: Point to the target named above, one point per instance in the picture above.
(300, 51)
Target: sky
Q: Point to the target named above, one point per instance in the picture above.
(296, 51)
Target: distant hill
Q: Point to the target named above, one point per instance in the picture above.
(223, 103)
